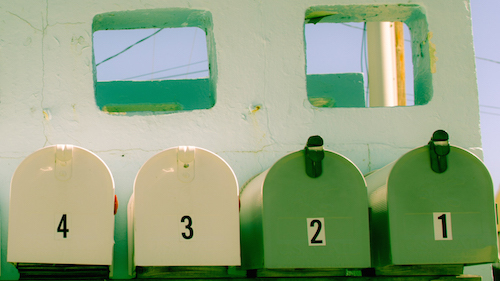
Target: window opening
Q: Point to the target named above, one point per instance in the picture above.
(337, 59)
(142, 64)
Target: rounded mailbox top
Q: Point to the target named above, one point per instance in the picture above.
(412, 178)
(185, 165)
(287, 184)
(62, 166)
(61, 201)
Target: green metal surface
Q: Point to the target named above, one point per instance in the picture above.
(403, 212)
(336, 90)
(251, 234)
(276, 206)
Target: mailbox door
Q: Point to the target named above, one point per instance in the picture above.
(186, 210)
(61, 208)
(441, 218)
(315, 222)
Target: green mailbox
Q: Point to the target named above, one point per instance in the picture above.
(308, 211)
(433, 206)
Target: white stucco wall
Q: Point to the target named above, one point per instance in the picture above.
(47, 95)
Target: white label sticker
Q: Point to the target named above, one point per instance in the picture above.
(316, 231)
(62, 226)
(442, 226)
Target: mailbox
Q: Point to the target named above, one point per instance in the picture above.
(308, 211)
(184, 211)
(432, 206)
(61, 209)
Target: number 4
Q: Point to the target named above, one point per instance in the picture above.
(63, 226)
(442, 226)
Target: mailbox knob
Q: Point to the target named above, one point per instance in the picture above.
(314, 155)
(439, 147)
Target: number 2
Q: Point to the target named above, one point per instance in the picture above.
(63, 226)
(188, 227)
(316, 231)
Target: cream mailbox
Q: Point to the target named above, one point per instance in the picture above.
(61, 209)
(309, 210)
(184, 211)
(433, 206)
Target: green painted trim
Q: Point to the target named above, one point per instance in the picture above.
(360, 13)
(166, 95)
(336, 90)
(156, 18)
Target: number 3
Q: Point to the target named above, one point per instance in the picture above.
(188, 227)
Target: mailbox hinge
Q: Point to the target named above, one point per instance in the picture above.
(314, 155)
(64, 161)
(439, 148)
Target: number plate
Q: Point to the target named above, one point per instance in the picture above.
(316, 231)
(442, 226)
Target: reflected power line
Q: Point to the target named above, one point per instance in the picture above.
(167, 69)
(129, 47)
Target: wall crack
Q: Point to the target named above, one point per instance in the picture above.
(44, 30)
(17, 16)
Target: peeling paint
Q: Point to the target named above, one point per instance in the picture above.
(255, 108)
(78, 44)
(322, 102)
(142, 107)
(432, 52)
(259, 133)
(46, 114)
(369, 158)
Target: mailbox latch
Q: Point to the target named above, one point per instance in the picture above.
(439, 148)
(185, 163)
(314, 156)
(64, 161)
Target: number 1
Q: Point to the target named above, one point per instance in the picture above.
(442, 226)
